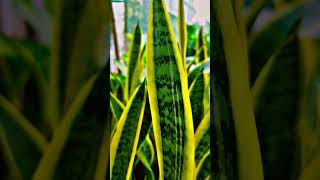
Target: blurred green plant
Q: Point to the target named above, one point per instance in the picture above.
(54, 120)
(267, 73)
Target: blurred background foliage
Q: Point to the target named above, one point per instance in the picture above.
(53, 89)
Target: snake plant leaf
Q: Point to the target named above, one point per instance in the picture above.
(202, 138)
(311, 170)
(182, 31)
(194, 59)
(236, 54)
(22, 60)
(116, 106)
(276, 99)
(147, 122)
(311, 99)
(222, 141)
(206, 98)
(203, 169)
(199, 44)
(192, 75)
(89, 139)
(169, 98)
(196, 91)
(24, 76)
(77, 50)
(23, 139)
(145, 155)
(144, 160)
(9, 166)
(309, 118)
(80, 137)
(223, 144)
(202, 148)
(134, 65)
(271, 38)
(124, 143)
(148, 150)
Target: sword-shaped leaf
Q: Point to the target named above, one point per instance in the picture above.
(202, 138)
(146, 124)
(144, 160)
(182, 30)
(276, 97)
(134, 63)
(203, 168)
(196, 91)
(116, 106)
(194, 59)
(79, 36)
(192, 75)
(199, 44)
(271, 38)
(79, 141)
(202, 144)
(169, 98)
(124, 143)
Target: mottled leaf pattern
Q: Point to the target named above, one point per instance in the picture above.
(169, 98)
(125, 140)
(196, 91)
(134, 63)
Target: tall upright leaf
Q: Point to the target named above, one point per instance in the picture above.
(271, 38)
(202, 138)
(79, 36)
(134, 63)
(196, 91)
(182, 30)
(199, 44)
(78, 140)
(124, 143)
(248, 149)
(169, 98)
(276, 98)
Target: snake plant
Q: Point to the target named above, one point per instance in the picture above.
(254, 117)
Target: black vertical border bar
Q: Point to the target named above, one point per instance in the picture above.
(107, 69)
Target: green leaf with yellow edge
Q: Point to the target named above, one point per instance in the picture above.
(194, 73)
(199, 44)
(203, 168)
(169, 98)
(50, 160)
(124, 143)
(116, 106)
(182, 31)
(78, 42)
(276, 103)
(25, 142)
(196, 91)
(202, 138)
(134, 67)
(236, 56)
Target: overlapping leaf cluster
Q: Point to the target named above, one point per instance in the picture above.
(160, 107)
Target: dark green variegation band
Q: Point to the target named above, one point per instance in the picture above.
(125, 140)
